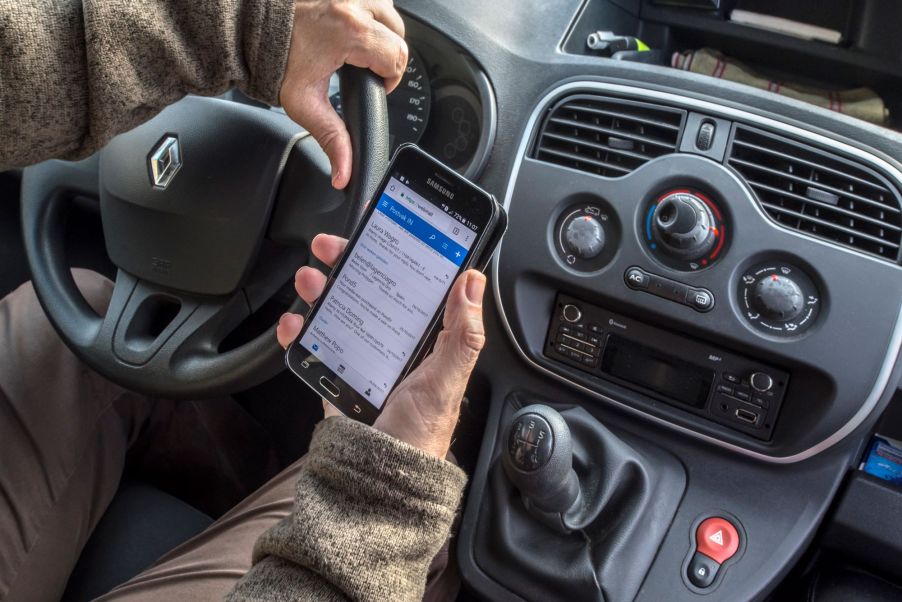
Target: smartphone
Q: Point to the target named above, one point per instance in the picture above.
(384, 299)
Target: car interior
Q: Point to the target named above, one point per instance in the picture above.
(691, 383)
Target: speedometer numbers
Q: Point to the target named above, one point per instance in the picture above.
(409, 104)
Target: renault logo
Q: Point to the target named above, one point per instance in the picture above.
(165, 161)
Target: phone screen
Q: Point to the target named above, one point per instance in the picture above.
(391, 285)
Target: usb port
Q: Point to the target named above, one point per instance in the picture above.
(747, 416)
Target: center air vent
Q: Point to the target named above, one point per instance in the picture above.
(607, 136)
(819, 193)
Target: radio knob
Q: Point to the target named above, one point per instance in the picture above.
(571, 313)
(761, 382)
(584, 236)
(779, 298)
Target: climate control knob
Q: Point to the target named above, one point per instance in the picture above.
(584, 236)
(779, 298)
(684, 226)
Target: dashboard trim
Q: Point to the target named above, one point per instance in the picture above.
(689, 103)
(489, 127)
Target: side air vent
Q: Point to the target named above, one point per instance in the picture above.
(819, 193)
(607, 136)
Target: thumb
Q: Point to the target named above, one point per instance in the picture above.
(313, 111)
(463, 335)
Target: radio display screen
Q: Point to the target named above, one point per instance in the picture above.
(670, 376)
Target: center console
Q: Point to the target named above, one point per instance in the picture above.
(709, 269)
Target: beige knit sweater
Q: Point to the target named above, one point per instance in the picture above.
(371, 512)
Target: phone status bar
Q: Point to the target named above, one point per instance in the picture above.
(445, 207)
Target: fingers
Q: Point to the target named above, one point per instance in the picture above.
(382, 51)
(309, 284)
(288, 329)
(384, 12)
(314, 111)
(330, 410)
(328, 248)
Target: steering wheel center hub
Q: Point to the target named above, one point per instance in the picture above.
(201, 231)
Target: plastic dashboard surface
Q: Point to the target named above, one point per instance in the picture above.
(840, 366)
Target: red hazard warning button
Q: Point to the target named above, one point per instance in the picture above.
(717, 539)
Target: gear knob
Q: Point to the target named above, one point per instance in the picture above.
(538, 459)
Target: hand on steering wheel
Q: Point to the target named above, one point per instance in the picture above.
(424, 408)
(326, 35)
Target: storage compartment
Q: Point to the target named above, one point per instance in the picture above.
(868, 54)
(864, 524)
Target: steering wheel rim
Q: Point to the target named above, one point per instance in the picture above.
(182, 360)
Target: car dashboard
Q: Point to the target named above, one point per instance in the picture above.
(711, 271)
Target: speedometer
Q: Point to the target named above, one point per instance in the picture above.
(408, 105)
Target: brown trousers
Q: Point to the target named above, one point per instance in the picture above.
(64, 435)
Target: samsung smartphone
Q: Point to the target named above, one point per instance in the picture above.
(383, 301)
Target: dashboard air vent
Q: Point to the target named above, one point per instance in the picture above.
(607, 136)
(819, 193)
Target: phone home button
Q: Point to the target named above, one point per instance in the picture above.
(329, 386)
(357, 409)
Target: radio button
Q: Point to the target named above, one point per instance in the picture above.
(761, 401)
(742, 393)
(761, 382)
(571, 313)
(725, 389)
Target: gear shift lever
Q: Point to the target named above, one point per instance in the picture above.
(538, 460)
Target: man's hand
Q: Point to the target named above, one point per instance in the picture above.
(424, 408)
(326, 35)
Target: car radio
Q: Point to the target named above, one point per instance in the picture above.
(730, 389)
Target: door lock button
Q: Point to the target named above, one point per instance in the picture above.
(702, 570)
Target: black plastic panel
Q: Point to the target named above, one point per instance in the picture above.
(699, 378)
(818, 404)
(865, 523)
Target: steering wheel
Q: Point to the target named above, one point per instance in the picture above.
(207, 210)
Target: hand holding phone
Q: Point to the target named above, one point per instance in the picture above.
(423, 409)
(379, 308)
